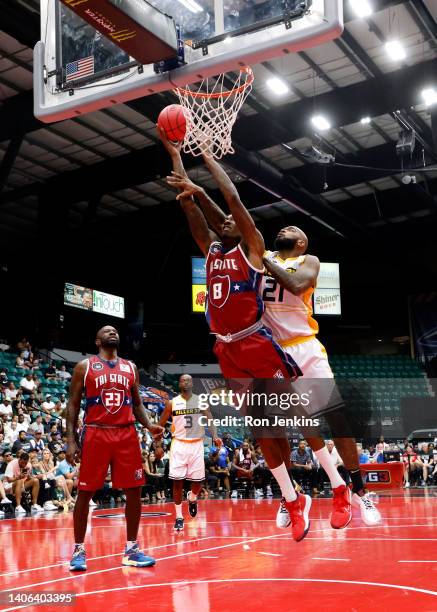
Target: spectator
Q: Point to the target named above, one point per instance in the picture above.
(63, 374)
(11, 391)
(11, 433)
(21, 443)
(69, 472)
(412, 466)
(49, 469)
(220, 466)
(7, 458)
(45, 493)
(33, 405)
(3, 445)
(18, 478)
(244, 463)
(60, 500)
(262, 475)
(63, 401)
(48, 405)
(228, 443)
(50, 373)
(210, 475)
(55, 445)
(6, 408)
(27, 384)
(23, 345)
(20, 363)
(3, 377)
(37, 444)
(363, 456)
(154, 469)
(426, 458)
(302, 466)
(23, 423)
(4, 500)
(37, 425)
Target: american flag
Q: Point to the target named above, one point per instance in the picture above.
(79, 68)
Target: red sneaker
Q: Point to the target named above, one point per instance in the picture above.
(342, 507)
(299, 513)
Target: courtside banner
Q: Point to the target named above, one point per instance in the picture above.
(198, 284)
(327, 297)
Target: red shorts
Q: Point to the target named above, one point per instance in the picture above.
(117, 447)
(257, 356)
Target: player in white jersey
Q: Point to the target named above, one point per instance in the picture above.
(287, 293)
(186, 453)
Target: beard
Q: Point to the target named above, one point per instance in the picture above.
(110, 343)
(285, 244)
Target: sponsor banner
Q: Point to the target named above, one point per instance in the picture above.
(198, 284)
(108, 304)
(329, 276)
(78, 297)
(327, 301)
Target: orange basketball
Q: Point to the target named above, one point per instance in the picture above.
(172, 120)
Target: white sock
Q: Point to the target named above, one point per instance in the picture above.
(178, 509)
(81, 545)
(191, 497)
(284, 481)
(130, 544)
(328, 465)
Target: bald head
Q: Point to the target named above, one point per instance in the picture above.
(185, 383)
(107, 337)
(291, 238)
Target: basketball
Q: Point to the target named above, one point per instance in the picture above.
(172, 120)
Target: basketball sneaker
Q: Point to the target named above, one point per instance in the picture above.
(135, 558)
(192, 506)
(234, 494)
(295, 513)
(341, 514)
(36, 508)
(269, 491)
(20, 510)
(179, 524)
(369, 514)
(78, 560)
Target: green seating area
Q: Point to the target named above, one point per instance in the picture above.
(55, 387)
(374, 366)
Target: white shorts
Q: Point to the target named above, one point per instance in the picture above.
(187, 461)
(312, 359)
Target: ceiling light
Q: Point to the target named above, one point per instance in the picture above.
(320, 123)
(365, 120)
(361, 8)
(395, 50)
(429, 96)
(192, 6)
(278, 86)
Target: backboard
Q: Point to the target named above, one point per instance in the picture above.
(78, 70)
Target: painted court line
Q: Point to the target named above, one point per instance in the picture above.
(119, 567)
(418, 561)
(328, 559)
(269, 554)
(119, 554)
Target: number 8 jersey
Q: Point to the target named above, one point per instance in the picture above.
(234, 302)
(289, 316)
(108, 392)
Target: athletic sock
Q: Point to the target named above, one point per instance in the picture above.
(325, 460)
(357, 482)
(130, 544)
(284, 482)
(78, 546)
(191, 497)
(178, 509)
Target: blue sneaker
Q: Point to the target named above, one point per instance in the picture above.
(78, 560)
(135, 558)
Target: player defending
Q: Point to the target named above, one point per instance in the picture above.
(287, 293)
(108, 438)
(244, 347)
(186, 454)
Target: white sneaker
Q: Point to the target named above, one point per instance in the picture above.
(49, 506)
(234, 494)
(269, 491)
(5, 501)
(20, 510)
(92, 503)
(406, 485)
(283, 519)
(36, 508)
(369, 514)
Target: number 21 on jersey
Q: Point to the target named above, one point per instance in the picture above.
(269, 293)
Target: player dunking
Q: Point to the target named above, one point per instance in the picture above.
(108, 439)
(287, 293)
(186, 454)
(244, 347)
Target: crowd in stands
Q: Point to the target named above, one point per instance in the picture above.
(35, 475)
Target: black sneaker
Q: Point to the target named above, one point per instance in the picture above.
(179, 524)
(192, 507)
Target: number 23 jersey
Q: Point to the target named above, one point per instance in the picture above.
(289, 316)
(108, 392)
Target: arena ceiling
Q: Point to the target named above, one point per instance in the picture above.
(109, 163)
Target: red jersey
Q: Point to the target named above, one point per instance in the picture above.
(233, 285)
(108, 392)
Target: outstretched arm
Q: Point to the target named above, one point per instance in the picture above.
(251, 236)
(196, 220)
(296, 282)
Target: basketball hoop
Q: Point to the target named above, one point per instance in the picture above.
(211, 112)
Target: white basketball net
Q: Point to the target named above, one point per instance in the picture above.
(211, 112)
